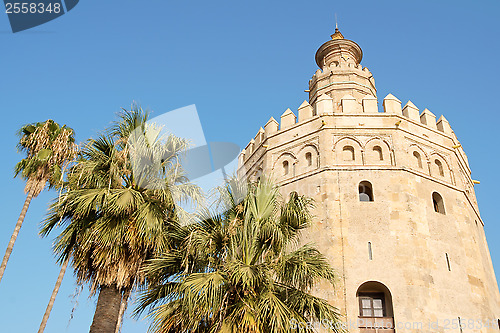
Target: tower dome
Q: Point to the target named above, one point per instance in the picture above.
(338, 50)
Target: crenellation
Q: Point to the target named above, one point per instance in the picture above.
(241, 158)
(443, 125)
(411, 111)
(392, 105)
(428, 118)
(349, 104)
(370, 104)
(288, 119)
(324, 105)
(271, 127)
(306, 111)
(259, 137)
(250, 147)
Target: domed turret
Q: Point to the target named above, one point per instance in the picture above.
(340, 73)
(338, 50)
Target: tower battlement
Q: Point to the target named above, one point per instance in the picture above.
(366, 107)
(361, 117)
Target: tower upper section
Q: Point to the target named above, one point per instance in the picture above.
(340, 72)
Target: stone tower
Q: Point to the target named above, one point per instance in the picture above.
(396, 212)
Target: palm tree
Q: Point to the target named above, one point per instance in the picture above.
(119, 209)
(241, 271)
(49, 148)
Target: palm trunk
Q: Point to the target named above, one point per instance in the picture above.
(13, 238)
(107, 310)
(53, 296)
(123, 307)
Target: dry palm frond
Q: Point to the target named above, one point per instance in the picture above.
(49, 149)
(112, 223)
(241, 271)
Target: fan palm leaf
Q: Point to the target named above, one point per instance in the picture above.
(241, 271)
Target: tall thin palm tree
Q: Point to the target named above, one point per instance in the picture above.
(48, 148)
(53, 296)
(119, 210)
(242, 271)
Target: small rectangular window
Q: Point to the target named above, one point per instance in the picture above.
(372, 305)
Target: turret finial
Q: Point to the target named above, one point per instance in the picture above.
(337, 34)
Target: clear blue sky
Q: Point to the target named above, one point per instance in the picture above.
(240, 62)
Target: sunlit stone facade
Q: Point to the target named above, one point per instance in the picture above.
(396, 212)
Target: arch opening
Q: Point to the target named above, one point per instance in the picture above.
(348, 153)
(286, 168)
(377, 151)
(309, 159)
(439, 167)
(438, 203)
(375, 307)
(365, 191)
(418, 159)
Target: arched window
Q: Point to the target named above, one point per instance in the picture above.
(378, 153)
(365, 191)
(375, 301)
(418, 159)
(309, 159)
(348, 153)
(285, 168)
(437, 202)
(440, 167)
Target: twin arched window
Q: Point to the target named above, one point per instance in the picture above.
(288, 167)
(439, 169)
(375, 154)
